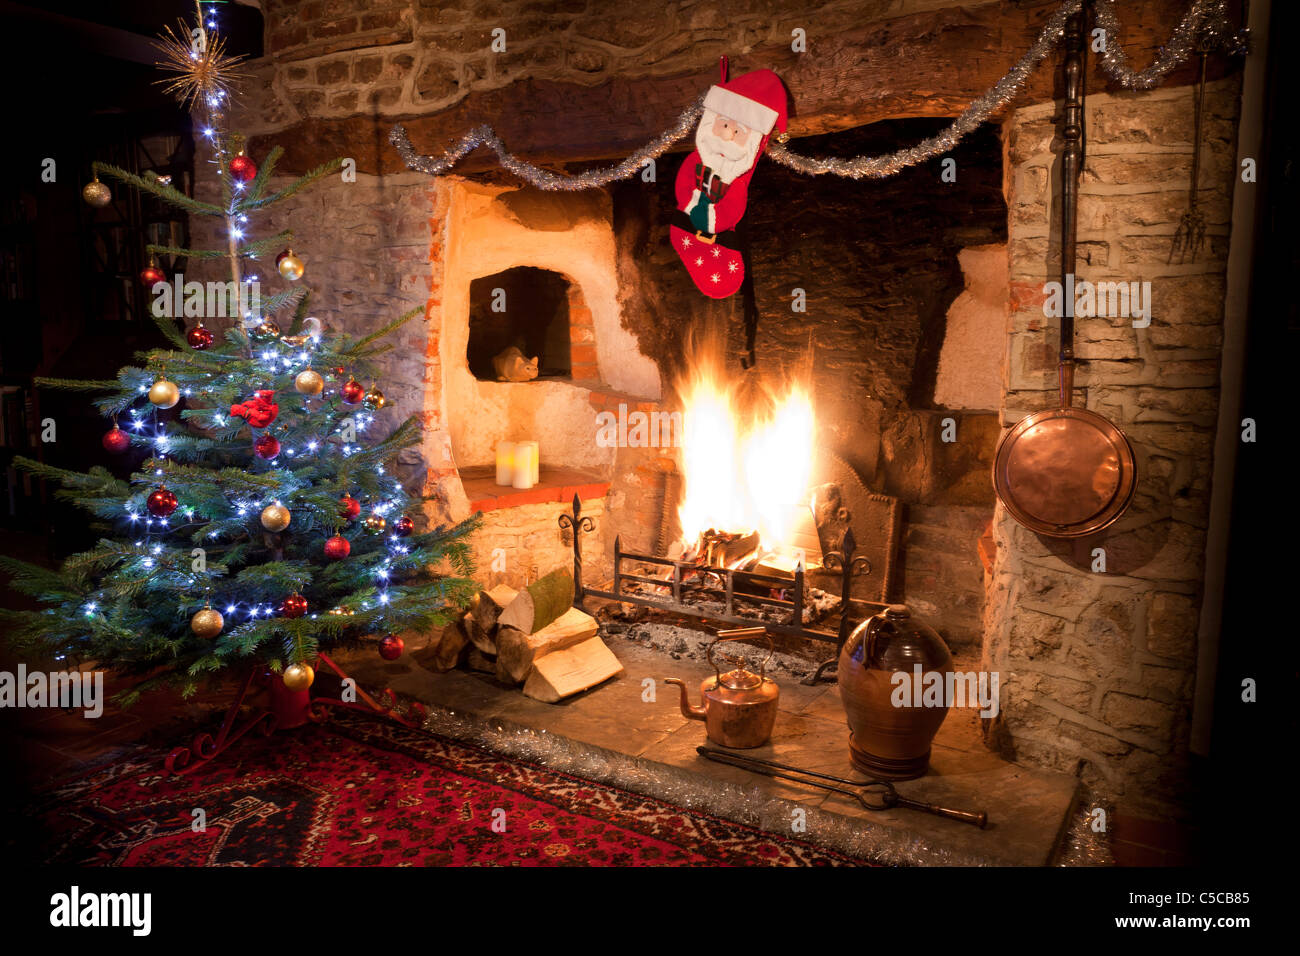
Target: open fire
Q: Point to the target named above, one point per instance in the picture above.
(746, 462)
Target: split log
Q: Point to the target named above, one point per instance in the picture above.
(539, 603)
(571, 671)
(445, 651)
(481, 639)
(517, 651)
(487, 606)
(476, 660)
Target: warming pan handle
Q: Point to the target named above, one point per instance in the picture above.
(1065, 380)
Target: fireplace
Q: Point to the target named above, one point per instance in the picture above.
(910, 307)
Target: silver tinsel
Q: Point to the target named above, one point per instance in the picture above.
(1204, 27)
(746, 805)
(1003, 92)
(535, 175)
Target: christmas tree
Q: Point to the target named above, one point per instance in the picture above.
(264, 522)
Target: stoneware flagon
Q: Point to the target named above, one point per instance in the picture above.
(885, 740)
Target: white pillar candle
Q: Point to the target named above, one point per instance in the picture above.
(525, 464)
(535, 452)
(505, 462)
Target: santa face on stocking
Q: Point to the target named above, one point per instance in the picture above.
(713, 183)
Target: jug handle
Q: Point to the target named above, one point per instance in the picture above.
(867, 639)
(737, 634)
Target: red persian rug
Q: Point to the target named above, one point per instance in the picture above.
(361, 792)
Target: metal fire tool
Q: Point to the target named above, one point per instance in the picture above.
(872, 794)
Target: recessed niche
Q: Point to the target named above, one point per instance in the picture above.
(523, 307)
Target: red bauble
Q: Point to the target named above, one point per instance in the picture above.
(337, 548)
(295, 605)
(243, 168)
(353, 392)
(161, 503)
(403, 526)
(117, 441)
(349, 507)
(200, 337)
(391, 647)
(151, 275)
(267, 446)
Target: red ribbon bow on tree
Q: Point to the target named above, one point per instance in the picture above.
(259, 410)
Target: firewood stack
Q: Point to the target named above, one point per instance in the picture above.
(533, 637)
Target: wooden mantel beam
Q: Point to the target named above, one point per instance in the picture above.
(924, 64)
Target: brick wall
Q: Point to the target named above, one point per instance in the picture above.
(1098, 667)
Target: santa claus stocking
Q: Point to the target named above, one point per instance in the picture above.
(713, 183)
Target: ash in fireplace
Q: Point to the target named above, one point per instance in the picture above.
(709, 599)
(681, 643)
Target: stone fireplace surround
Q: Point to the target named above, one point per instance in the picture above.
(1097, 667)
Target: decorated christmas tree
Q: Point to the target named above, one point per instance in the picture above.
(266, 521)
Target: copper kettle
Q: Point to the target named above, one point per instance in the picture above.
(739, 707)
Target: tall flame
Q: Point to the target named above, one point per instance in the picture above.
(743, 469)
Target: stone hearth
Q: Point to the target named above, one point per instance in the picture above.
(1029, 810)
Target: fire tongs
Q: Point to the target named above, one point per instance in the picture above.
(872, 794)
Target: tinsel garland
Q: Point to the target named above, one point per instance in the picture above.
(1204, 27)
(1003, 92)
(535, 175)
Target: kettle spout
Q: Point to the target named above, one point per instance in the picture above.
(694, 713)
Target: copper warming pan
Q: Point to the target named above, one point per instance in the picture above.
(1066, 472)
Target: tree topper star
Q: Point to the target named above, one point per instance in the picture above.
(202, 69)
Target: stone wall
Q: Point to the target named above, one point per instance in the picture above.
(335, 58)
(1097, 666)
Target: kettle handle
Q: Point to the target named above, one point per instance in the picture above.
(738, 634)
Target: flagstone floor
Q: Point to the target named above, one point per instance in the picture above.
(1028, 808)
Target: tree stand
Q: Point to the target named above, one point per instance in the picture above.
(287, 709)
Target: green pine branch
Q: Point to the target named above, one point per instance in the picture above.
(168, 194)
(302, 182)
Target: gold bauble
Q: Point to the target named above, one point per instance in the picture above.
(96, 193)
(375, 524)
(275, 517)
(342, 611)
(374, 399)
(298, 676)
(164, 394)
(264, 331)
(207, 623)
(291, 267)
(309, 382)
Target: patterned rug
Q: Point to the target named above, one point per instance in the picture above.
(362, 792)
